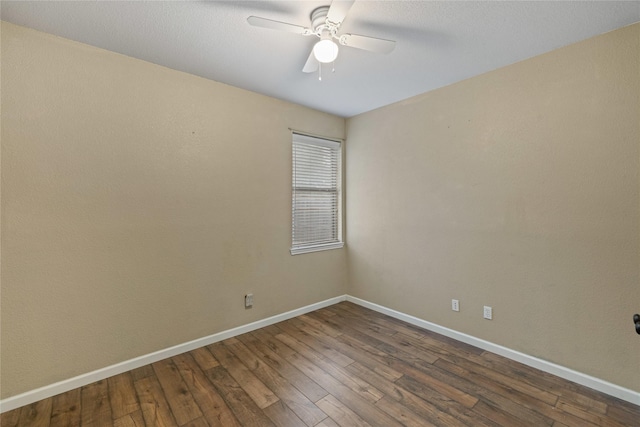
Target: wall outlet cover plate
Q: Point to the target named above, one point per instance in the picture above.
(488, 313)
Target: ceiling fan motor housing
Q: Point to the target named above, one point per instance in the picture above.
(319, 21)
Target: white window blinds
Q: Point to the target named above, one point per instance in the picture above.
(316, 194)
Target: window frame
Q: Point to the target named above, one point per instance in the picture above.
(304, 138)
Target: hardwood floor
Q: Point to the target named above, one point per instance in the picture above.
(340, 366)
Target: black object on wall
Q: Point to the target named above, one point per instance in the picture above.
(636, 320)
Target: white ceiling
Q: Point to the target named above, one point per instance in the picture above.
(438, 42)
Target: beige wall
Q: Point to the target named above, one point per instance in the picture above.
(128, 222)
(139, 205)
(516, 189)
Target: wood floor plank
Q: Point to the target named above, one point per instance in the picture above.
(255, 388)
(213, 406)
(458, 411)
(323, 313)
(183, 406)
(583, 414)
(331, 321)
(305, 410)
(498, 395)
(384, 321)
(403, 327)
(204, 358)
(356, 384)
(142, 372)
(341, 414)
(414, 370)
(37, 414)
(441, 383)
(282, 415)
(311, 337)
(370, 325)
(442, 387)
(154, 406)
(517, 396)
(374, 359)
(66, 409)
(614, 401)
(96, 409)
(385, 347)
(580, 398)
(266, 335)
(407, 329)
(624, 415)
(10, 418)
(344, 345)
(381, 319)
(508, 381)
(323, 327)
(122, 395)
(443, 404)
(567, 419)
(575, 394)
(133, 419)
(572, 392)
(373, 322)
(306, 385)
(499, 416)
(198, 422)
(432, 406)
(364, 408)
(244, 408)
(401, 413)
(328, 422)
(398, 345)
(450, 345)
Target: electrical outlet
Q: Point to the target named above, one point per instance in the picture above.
(248, 301)
(455, 305)
(488, 312)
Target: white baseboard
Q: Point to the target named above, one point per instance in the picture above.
(100, 374)
(557, 370)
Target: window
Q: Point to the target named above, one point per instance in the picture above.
(316, 207)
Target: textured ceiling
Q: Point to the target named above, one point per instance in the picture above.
(438, 43)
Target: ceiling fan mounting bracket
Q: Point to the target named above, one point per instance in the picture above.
(320, 23)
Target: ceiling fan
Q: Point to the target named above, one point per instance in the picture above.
(325, 24)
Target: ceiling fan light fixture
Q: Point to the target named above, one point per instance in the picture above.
(325, 51)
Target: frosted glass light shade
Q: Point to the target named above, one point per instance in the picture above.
(325, 51)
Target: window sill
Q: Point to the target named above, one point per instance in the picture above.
(316, 248)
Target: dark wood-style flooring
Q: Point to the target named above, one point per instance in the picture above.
(340, 366)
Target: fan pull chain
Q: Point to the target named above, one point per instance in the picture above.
(333, 67)
(320, 72)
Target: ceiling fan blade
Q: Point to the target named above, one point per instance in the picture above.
(256, 21)
(372, 44)
(311, 65)
(338, 10)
